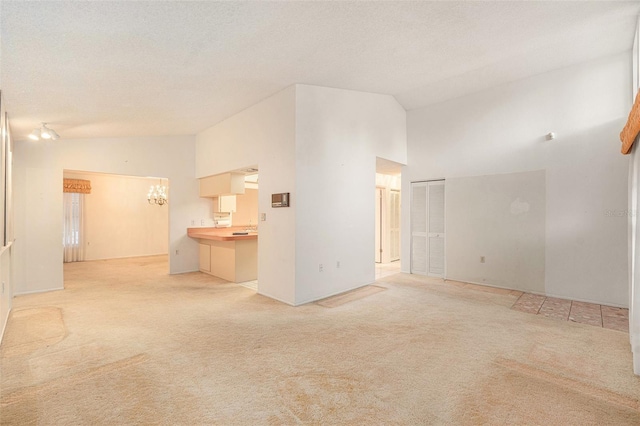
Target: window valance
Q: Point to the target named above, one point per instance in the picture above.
(79, 186)
(632, 128)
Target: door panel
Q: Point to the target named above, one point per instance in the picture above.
(419, 228)
(436, 229)
(436, 208)
(428, 228)
(436, 256)
(419, 254)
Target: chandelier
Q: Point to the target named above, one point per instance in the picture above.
(157, 195)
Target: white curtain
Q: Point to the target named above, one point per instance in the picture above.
(73, 238)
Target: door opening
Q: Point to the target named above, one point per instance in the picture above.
(387, 217)
(379, 214)
(394, 225)
(108, 216)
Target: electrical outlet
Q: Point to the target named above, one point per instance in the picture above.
(193, 222)
(321, 267)
(202, 222)
(338, 264)
(481, 259)
(263, 217)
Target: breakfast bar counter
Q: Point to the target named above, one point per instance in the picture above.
(227, 256)
(220, 234)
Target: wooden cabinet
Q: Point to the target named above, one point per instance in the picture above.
(235, 261)
(224, 184)
(205, 257)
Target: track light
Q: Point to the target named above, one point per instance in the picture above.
(44, 133)
(35, 135)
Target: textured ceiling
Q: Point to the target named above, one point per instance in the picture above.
(108, 69)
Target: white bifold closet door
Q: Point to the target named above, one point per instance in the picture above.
(427, 228)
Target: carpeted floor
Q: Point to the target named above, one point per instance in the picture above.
(127, 344)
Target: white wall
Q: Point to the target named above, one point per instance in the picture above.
(38, 197)
(502, 130)
(320, 145)
(262, 135)
(501, 218)
(118, 220)
(339, 134)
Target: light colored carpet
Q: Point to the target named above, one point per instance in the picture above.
(350, 296)
(127, 344)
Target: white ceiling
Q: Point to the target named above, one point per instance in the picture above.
(109, 69)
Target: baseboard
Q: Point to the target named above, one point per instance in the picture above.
(333, 294)
(24, 293)
(261, 293)
(126, 257)
(576, 299)
(494, 286)
(188, 271)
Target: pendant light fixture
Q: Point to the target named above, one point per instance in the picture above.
(43, 132)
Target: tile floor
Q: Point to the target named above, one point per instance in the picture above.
(253, 285)
(570, 310)
(386, 269)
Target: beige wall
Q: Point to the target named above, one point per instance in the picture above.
(119, 222)
(246, 209)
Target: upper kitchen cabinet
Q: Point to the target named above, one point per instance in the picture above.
(224, 184)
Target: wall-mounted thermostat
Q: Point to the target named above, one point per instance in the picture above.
(280, 200)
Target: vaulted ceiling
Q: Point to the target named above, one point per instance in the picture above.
(109, 69)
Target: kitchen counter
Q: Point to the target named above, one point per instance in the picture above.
(224, 255)
(220, 234)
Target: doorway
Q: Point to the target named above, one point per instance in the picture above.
(112, 216)
(379, 193)
(387, 217)
(428, 228)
